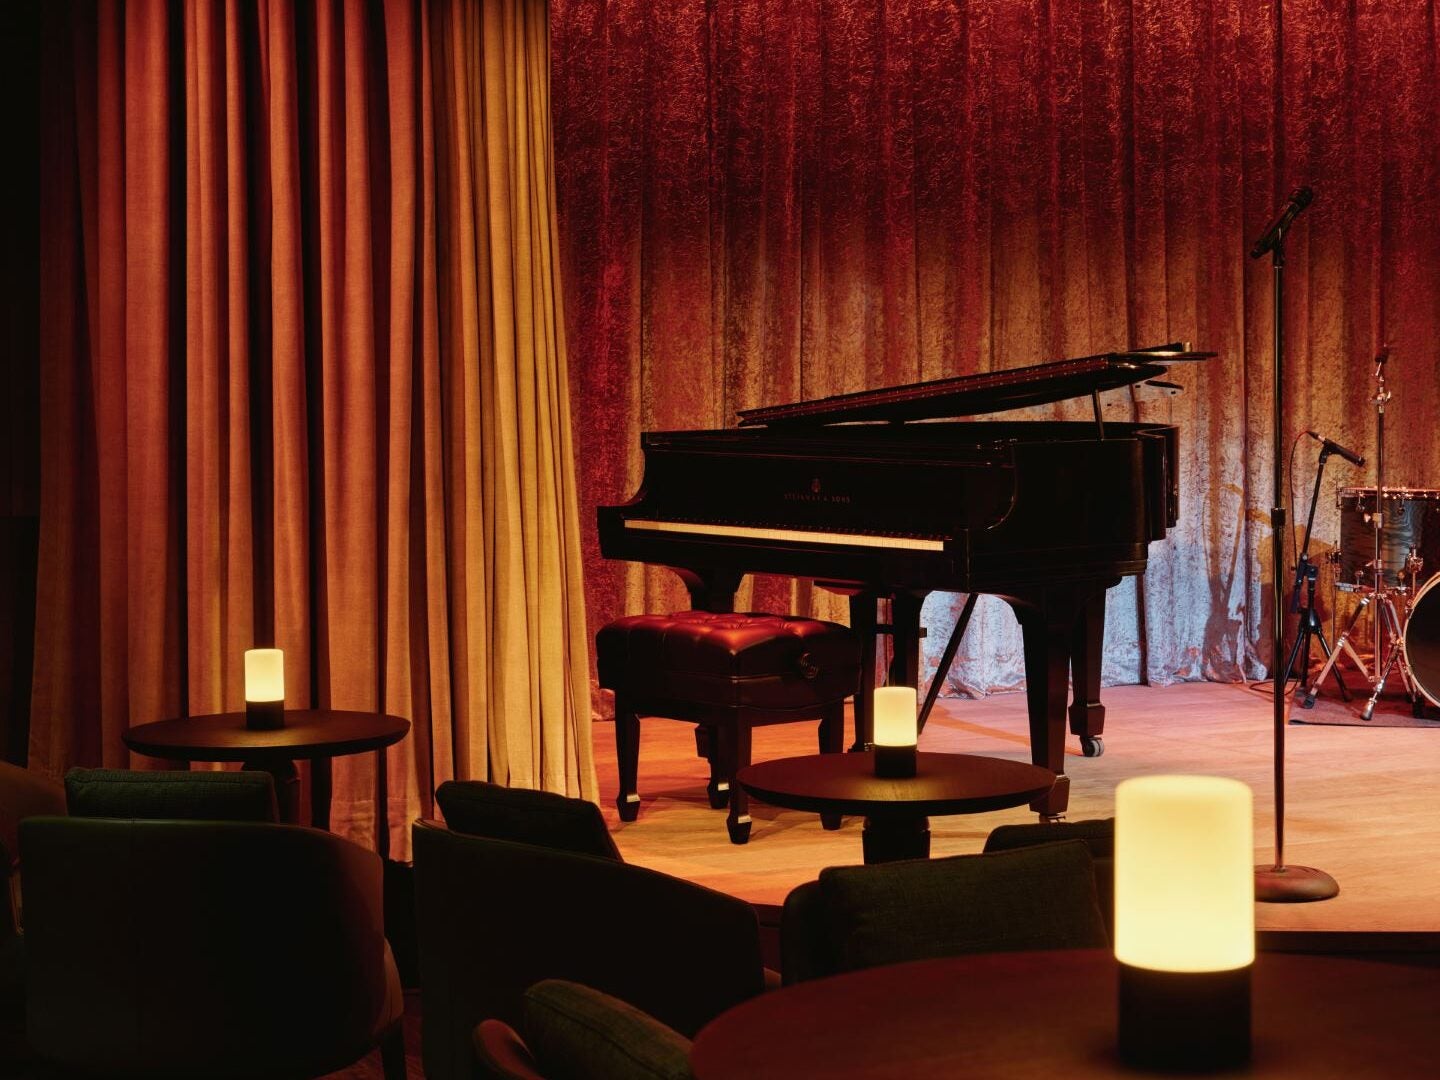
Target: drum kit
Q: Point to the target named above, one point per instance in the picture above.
(1389, 558)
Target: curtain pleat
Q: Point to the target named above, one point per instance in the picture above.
(765, 201)
(304, 386)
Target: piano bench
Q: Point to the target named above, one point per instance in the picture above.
(727, 673)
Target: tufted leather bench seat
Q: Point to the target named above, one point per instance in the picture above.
(727, 673)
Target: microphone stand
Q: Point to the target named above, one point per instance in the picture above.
(1279, 883)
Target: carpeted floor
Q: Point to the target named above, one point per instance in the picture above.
(1392, 710)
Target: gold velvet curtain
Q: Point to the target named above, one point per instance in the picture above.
(769, 200)
(304, 384)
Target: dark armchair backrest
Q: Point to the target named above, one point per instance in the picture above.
(187, 948)
(496, 917)
(171, 794)
(856, 917)
(1097, 834)
(524, 816)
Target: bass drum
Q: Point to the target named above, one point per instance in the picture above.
(1422, 640)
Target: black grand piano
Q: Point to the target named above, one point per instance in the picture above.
(873, 495)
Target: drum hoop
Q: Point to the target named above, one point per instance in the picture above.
(1390, 493)
(1405, 637)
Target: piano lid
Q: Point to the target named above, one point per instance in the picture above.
(988, 392)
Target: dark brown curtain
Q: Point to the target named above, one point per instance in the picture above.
(304, 384)
(765, 200)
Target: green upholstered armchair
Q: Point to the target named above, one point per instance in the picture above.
(496, 917)
(204, 948)
(857, 917)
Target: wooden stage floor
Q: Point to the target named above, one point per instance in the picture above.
(1358, 799)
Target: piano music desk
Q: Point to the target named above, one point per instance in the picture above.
(896, 811)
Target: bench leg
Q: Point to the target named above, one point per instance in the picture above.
(735, 738)
(832, 741)
(707, 745)
(627, 754)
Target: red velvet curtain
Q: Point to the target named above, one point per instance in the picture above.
(768, 200)
(303, 384)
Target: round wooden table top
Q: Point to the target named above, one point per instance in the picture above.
(942, 784)
(1052, 1014)
(308, 733)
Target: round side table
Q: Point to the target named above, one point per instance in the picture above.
(1041, 1015)
(897, 811)
(316, 735)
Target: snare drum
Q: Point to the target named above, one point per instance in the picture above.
(1412, 524)
(1421, 640)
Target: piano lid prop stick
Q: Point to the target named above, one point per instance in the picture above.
(947, 658)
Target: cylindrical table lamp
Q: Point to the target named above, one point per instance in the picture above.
(264, 689)
(1184, 920)
(896, 733)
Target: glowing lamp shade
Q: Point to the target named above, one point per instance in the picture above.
(896, 731)
(1184, 920)
(264, 688)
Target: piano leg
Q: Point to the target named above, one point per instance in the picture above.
(905, 638)
(862, 622)
(1087, 715)
(832, 741)
(710, 589)
(1047, 622)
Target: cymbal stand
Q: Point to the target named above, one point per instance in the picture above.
(1388, 625)
(1309, 627)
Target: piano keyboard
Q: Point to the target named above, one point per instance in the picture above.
(794, 536)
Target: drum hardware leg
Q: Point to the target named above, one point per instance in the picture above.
(1309, 628)
(1369, 710)
(1388, 626)
(1342, 644)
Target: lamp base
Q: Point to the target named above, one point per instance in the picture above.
(895, 762)
(264, 715)
(1184, 1021)
(1293, 884)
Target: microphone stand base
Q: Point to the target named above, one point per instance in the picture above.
(1293, 884)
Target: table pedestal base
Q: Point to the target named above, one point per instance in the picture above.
(890, 838)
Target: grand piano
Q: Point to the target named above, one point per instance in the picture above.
(889, 495)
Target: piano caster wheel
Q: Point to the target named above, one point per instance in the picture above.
(1092, 745)
(719, 794)
(739, 831)
(629, 808)
(830, 822)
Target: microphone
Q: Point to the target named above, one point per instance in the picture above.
(1381, 357)
(1333, 447)
(1299, 200)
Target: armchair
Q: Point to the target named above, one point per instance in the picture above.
(204, 948)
